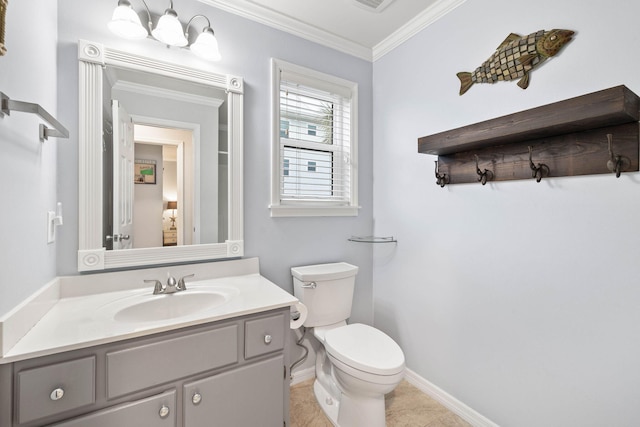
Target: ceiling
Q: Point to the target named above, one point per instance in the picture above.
(345, 25)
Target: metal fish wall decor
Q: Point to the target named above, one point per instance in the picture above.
(3, 14)
(516, 57)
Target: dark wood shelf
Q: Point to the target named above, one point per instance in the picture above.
(569, 136)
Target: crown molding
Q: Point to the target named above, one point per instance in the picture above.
(290, 25)
(417, 24)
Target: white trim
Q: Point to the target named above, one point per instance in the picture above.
(382, 6)
(273, 19)
(302, 375)
(323, 81)
(279, 211)
(173, 95)
(290, 25)
(454, 405)
(417, 24)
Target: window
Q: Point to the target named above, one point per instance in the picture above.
(285, 167)
(314, 147)
(284, 128)
(311, 166)
(311, 130)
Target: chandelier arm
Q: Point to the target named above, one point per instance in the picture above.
(186, 32)
(149, 24)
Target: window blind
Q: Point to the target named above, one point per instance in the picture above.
(315, 140)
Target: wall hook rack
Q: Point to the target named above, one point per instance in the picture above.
(7, 105)
(569, 137)
(441, 179)
(537, 171)
(616, 162)
(483, 176)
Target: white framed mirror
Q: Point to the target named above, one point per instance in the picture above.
(196, 233)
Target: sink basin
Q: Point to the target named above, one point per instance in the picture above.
(169, 306)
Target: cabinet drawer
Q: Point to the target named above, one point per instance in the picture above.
(148, 365)
(155, 411)
(54, 389)
(263, 335)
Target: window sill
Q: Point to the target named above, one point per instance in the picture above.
(293, 211)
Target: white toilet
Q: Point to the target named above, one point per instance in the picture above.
(357, 364)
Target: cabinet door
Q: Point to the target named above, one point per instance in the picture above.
(155, 411)
(249, 396)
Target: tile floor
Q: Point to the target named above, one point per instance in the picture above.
(406, 406)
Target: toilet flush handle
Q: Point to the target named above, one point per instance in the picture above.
(310, 285)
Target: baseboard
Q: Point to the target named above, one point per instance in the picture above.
(454, 405)
(302, 375)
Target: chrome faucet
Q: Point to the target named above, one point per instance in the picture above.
(157, 288)
(171, 286)
(181, 285)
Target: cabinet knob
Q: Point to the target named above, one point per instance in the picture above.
(164, 411)
(57, 394)
(267, 339)
(196, 398)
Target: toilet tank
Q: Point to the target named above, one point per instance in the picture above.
(329, 301)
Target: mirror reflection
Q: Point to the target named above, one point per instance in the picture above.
(165, 161)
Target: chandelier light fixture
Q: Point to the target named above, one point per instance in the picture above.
(125, 23)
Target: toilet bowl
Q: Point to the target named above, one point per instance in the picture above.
(356, 364)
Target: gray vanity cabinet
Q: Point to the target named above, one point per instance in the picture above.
(231, 373)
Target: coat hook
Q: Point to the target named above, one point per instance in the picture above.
(537, 171)
(615, 162)
(483, 176)
(441, 179)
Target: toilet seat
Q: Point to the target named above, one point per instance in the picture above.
(365, 348)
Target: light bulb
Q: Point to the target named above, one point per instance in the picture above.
(125, 22)
(169, 30)
(206, 46)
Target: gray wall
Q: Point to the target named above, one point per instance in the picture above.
(246, 48)
(27, 166)
(519, 299)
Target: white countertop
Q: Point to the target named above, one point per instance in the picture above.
(82, 321)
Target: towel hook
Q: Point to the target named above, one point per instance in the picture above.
(615, 162)
(441, 179)
(537, 171)
(483, 176)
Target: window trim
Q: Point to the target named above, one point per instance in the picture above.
(291, 208)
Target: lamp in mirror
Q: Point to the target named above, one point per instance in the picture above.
(172, 205)
(126, 23)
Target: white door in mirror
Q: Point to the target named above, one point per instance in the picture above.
(123, 160)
